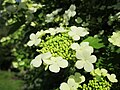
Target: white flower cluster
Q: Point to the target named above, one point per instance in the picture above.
(50, 17)
(115, 38)
(54, 63)
(83, 54)
(77, 32)
(103, 72)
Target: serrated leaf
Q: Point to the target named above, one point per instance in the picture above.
(94, 42)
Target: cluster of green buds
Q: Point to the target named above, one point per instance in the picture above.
(97, 85)
(59, 45)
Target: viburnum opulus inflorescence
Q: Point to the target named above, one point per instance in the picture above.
(57, 41)
(59, 45)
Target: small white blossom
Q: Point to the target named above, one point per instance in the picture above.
(57, 63)
(75, 46)
(60, 30)
(52, 31)
(99, 72)
(115, 38)
(50, 17)
(34, 40)
(40, 33)
(78, 77)
(84, 46)
(77, 32)
(68, 14)
(85, 60)
(38, 59)
(112, 78)
(70, 85)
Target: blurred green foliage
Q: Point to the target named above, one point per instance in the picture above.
(9, 81)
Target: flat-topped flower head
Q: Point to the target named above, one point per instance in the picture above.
(115, 38)
(70, 85)
(77, 32)
(112, 78)
(85, 60)
(34, 39)
(57, 63)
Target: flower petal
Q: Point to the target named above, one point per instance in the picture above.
(92, 59)
(54, 68)
(36, 63)
(37, 42)
(76, 37)
(32, 36)
(46, 55)
(30, 43)
(64, 86)
(63, 63)
(88, 67)
(70, 33)
(79, 64)
(75, 46)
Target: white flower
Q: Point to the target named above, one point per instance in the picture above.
(104, 72)
(52, 31)
(77, 32)
(60, 30)
(84, 46)
(49, 18)
(55, 12)
(112, 77)
(40, 33)
(34, 39)
(56, 63)
(78, 77)
(85, 60)
(75, 46)
(71, 11)
(115, 38)
(37, 61)
(99, 72)
(70, 85)
(46, 58)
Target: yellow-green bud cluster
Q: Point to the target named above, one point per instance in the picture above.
(97, 85)
(58, 45)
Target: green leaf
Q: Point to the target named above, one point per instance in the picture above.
(95, 42)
